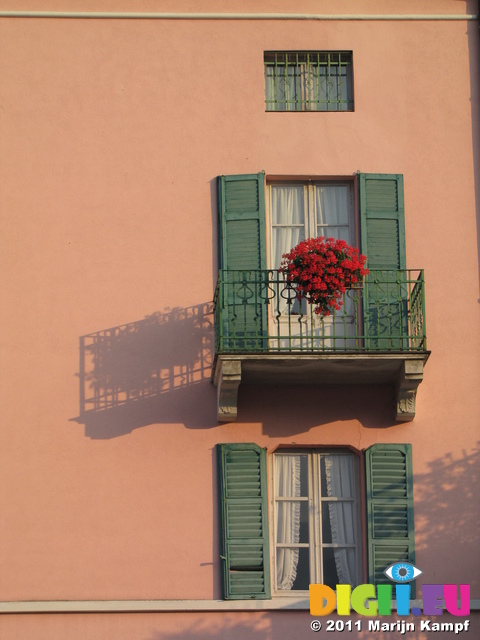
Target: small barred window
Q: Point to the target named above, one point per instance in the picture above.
(308, 81)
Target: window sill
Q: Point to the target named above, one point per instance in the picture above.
(152, 606)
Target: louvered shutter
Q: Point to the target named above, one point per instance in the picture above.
(382, 220)
(382, 226)
(242, 254)
(244, 521)
(390, 524)
(241, 204)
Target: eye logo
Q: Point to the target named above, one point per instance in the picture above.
(402, 572)
(323, 599)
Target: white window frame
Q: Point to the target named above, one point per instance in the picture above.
(315, 501)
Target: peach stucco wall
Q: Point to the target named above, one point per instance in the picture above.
(254, 625)
(112, 133)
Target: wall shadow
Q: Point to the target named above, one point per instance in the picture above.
(254, 625)
(155, 370)
(288, 410)
(214, 219)
(447, 518)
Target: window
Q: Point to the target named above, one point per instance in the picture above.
(242, 227)
(308, 210)
(316, 519)
(313, 507)
(308, 81)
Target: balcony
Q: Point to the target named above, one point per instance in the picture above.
(265, 335)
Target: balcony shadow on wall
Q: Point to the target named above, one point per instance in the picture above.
(288, 410)
(155, 370)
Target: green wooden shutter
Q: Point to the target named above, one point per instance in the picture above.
(244, 521)
(241, 209)
(390, 526)
(242, 254)
(382, 220)
(382, 227)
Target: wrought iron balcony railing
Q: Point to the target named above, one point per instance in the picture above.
(257, 311)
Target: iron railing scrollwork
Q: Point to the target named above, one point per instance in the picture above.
(259, 311)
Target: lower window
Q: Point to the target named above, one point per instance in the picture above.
(315, 497)
(316, 519)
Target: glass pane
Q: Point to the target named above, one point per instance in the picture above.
(332, 204)
(292, 522)
(336, 86)
(337, 233)
(288, 210)
(322, 87)
(290, 86)
(291, 476)
(338, 523)
(304, 522)
(326, 526)
(287, 204)
(330, 575)
(284, 239)
(339, 567)
(293, 569)
(337, 476)
(270, 88)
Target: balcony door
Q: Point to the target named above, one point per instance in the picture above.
(256, 226)
(299, 211)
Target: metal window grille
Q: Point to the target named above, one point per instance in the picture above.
(308, 81)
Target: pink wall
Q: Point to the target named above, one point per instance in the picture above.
(213, 626)
(112, 134)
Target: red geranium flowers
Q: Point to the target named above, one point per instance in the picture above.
(322, 270)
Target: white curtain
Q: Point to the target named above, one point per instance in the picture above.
(339, 475)
(287, 483)
(288, 216)
(288, 229)
(288, 220)
(332, 207)
(281, 86)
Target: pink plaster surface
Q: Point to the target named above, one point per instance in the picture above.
(202, 626)
(111, 136)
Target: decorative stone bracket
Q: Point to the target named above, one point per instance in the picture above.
(403, 372)
(409, 377)
(227, 380)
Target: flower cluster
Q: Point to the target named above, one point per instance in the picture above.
(322, 270)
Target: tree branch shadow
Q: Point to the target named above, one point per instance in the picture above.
(447, 517)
